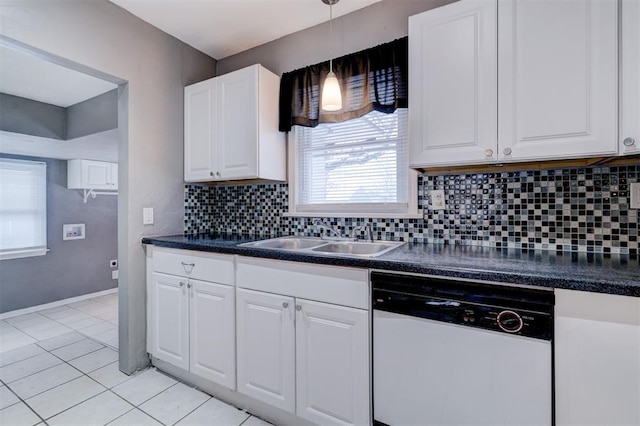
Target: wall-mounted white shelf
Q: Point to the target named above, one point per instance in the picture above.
(93, 193)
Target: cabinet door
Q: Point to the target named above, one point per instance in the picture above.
(630, 74)
(237, 131)
(597, 359)
(557, 67)
(96, 174)
(171, 318)
(212, 332)
(332, 364)
(266, 345)
(453, 80)
(200, 149)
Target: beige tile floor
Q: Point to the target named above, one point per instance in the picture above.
(59, 367)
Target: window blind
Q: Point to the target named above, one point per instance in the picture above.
(357, 165)
(23, 208)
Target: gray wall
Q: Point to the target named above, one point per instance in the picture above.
(29, 117)
(101, 39)
(73, 267)
(94, 115)
(379, 23)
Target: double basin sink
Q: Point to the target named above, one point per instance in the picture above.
(312, 245)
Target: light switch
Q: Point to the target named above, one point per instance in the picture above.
(147, 216)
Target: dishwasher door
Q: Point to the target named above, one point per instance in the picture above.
(428, 372)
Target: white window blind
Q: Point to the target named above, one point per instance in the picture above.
(23, 208)
(357, 165)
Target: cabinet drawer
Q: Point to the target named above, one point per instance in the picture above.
(216, 268)
(330, 284)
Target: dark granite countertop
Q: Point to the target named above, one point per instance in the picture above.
(601, 273)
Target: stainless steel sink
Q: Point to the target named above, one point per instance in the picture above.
(361, 249)
(287, 243)
(311, 245)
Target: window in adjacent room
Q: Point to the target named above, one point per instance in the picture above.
(23, 208)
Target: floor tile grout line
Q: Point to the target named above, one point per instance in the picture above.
(150, 398)
(20, 400)
(205, 401)
(123, 414)
(69, 408)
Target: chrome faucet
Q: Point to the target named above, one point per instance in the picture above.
(365, 227)
(325, 229)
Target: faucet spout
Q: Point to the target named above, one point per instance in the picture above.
(326, 229)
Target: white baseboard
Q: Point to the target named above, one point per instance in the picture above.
(56, 303)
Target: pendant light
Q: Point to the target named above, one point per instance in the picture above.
(331, 99)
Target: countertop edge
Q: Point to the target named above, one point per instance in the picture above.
(508, 278)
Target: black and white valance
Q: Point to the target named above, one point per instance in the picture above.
(372, 79)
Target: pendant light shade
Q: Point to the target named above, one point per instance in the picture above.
(331, 95)
(331, 99)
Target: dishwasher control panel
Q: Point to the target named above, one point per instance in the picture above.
(514, 310)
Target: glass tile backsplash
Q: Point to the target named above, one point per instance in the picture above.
(577, 209)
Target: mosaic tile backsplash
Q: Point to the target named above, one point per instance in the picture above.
(579, 209)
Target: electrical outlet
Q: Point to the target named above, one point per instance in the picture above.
(635, 195)
(114, 275)
(113, 263)
(437, 199)
(147, 216)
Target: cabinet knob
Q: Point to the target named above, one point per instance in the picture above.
(189, 285)
(629, 142)
(181, 284)
(285, 305)
(488, 152)
(298, 307)
(210, 173)
(218, 174)
(507, 151)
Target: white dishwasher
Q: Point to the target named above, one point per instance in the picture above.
(449, 352)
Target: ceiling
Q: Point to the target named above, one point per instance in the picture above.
(222, 28)
(31, 77)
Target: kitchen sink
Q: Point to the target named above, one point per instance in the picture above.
(358, 248)
(311, 245)
(287, 243)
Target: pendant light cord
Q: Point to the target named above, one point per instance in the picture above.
(331, 36)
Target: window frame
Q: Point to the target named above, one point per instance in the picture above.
(24, 252)
(350, 210)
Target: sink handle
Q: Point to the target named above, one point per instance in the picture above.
(365, 227)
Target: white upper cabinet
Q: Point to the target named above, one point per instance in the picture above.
(238, 124)
(453, 81)
(231, 128)
(200, 122)
(89, 174)
(630, 78)
(515, 80)
(557, 85)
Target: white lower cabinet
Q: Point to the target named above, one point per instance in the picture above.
(306, 357)
(192, 321)
(332, 369)
(298, 349)
(266, 347)
(597, 359)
